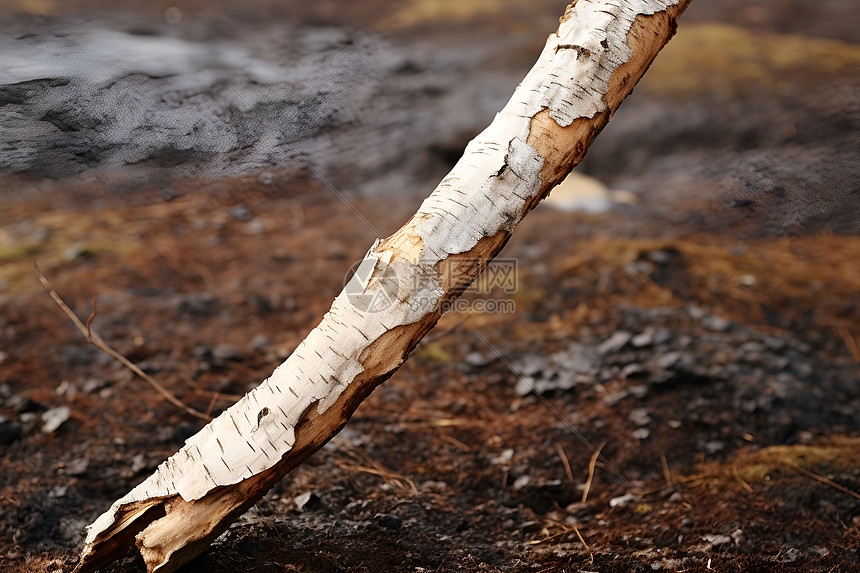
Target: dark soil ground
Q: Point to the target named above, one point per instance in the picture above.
(704, 338)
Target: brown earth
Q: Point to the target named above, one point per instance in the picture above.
(704, 338)
(448, 466)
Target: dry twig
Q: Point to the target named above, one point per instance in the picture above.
(591, 464)
(667, 474)
(820, 478)
(850, 342)
(456, 443)
(565, 462)
(744, 483)
(97, 341)
(587, 548)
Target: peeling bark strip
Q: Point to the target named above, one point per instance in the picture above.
(586, 70)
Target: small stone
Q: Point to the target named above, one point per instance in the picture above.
(228, 353)
(641, 433)
(676, 497)
(307, 500)
(54, 418)
(434, 486)
(633, 370)
(638, 392)
(503, 458)
(668, 360)
(640, 416)
(716, 323)
(717, 539)
(696, 312)
(30, 422)
(476, 360)
(579, 359)
(256, 226)
(240, 213)
(138, 464)
(737, 536)
(623, 500)
(662, 335)
(10, 431)
(714, 446)
(614, 343)
(260, 342)
(73, 252)
(388, 521)
(668, 564)
(579, 509)
(93, 385)
(774, 343)
(531, 364)
(660, 257)
(76, 467)
(752, 347)
(525, 386)
(565, 381)
(58, 491)
(789, 555)
(613, 399)
(643, 339)
(522, 482)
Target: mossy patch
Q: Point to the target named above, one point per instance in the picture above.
(726, 61)
(429, 12)
(781, 464)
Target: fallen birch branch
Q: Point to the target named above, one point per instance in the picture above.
(402, 287)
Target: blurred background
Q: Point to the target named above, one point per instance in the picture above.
(689, 297)
(748, 119)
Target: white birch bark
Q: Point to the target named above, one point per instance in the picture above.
(587, 68)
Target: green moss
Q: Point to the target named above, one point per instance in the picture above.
(436, 353)
(727, 61)
(14, 253)
(777, 464)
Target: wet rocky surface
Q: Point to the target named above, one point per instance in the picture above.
(749, 118)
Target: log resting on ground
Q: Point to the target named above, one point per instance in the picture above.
(402, 287)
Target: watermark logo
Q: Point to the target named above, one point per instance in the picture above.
(372, 285)
(371, 298)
